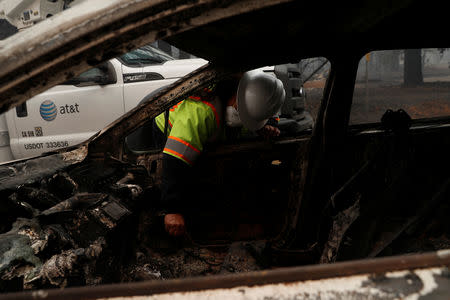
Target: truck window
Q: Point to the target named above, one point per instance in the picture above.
(415, 80)
(143, 56)
(103, 74)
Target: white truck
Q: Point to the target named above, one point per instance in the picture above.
(70, 113)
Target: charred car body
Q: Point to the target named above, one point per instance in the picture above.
(84, 216)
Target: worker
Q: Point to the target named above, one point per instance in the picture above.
(250, 100)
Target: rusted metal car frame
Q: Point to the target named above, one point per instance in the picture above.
(115, 27)
(384, 278)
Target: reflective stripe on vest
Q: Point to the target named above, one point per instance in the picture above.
(181, 149)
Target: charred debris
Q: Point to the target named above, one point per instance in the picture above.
(86, 221)
(57, 228)
(75, 221)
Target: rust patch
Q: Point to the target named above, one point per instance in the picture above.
(76, 155)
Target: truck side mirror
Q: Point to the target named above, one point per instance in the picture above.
(108, 72)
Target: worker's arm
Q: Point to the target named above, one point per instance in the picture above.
(174, 189)
(175, 174)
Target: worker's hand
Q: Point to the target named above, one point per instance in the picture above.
(174, 224)
(268, 131)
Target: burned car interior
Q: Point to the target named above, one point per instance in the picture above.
(350, 187)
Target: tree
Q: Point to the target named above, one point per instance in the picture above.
(412, 73)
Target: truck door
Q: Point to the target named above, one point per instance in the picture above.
(70, 113)
(147, 69)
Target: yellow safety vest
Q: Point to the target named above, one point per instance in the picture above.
(192, 123)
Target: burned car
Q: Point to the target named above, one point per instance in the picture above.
(354, 187)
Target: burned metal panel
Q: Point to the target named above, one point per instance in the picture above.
(341, 222)
(60, 229)
(423, 283)
(409, 276)
(402, 187)
(56, 49)
(27, 171)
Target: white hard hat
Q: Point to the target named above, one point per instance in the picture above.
(259, 97)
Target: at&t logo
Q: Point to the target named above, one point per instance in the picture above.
(48, 110)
